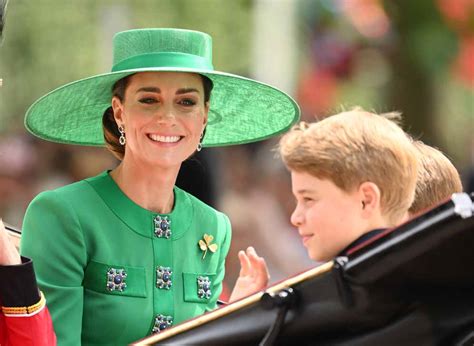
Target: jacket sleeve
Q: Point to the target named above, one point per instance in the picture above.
(53, 238)
(25, 320)
(225, 227)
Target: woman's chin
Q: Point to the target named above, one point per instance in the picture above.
(165, 161)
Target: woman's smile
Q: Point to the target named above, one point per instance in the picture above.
(164, 138)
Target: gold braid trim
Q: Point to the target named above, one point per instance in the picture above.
(25, 310)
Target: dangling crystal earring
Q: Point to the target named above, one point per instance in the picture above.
(122, 139)
(199, 147)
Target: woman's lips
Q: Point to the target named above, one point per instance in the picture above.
(164, 138)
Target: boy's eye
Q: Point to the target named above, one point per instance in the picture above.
(147, 100)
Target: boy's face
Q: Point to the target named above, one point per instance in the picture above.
(328, 218)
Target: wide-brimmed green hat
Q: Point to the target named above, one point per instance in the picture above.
(242, 110)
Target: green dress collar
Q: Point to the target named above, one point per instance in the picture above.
(138, 219)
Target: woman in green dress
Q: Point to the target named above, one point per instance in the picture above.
(127, 253)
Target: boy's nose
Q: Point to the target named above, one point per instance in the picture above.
(296, 218)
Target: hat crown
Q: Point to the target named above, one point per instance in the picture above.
(131, 44)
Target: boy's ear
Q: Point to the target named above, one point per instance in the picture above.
(369, 194)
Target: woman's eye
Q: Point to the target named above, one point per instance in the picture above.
(148, 100)
(187, 102)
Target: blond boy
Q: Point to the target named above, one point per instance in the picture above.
(353, 174)
(437, 180)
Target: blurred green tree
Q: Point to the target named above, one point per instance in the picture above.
(52, 42)
(424, 47)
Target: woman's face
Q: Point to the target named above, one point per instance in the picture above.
(164, 115)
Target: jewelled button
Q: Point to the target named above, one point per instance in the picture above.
(163, 277)
(162, 322)
(204, 287)
(116, 279)
(162, 226)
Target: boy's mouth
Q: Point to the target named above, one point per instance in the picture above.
(306, 238)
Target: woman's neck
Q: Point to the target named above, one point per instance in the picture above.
(150, 187)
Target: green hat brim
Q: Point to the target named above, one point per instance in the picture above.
(242, 110)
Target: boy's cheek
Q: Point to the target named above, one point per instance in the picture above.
(315, 251)
(312, 254)
(324, 252)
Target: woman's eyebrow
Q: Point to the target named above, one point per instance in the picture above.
(149, 89)
(157, 90)
(186, 90)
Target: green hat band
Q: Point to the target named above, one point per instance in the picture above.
(163, 59)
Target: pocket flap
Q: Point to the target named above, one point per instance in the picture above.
(115, 279)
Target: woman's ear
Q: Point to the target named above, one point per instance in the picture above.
(117, 107)
(369, 194)
(207, 105)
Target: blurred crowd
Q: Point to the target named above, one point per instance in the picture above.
(356, 63)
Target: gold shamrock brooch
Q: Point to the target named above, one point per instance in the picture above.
(205, 244)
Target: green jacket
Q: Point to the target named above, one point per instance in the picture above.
(107, 276)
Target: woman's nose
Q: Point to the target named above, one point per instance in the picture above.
(166, 113)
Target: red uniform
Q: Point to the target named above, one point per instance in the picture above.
(24, 318)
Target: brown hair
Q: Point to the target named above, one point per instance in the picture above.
(437, 180)
(354, 147)
(109, 125)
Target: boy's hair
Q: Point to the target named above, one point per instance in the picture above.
(353, 147)
(437, 180)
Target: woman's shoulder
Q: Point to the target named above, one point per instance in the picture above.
(204, 214)
(72, 192)
(199, 205)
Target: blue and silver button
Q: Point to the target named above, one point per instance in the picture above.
(163, 277)
(204, 287)
(161, 323)
(116, 279)
(162, 226)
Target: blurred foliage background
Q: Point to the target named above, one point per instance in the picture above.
(51, 42)
(416, 57)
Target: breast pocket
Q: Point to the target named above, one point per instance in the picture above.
(198, 288)
(115, 279)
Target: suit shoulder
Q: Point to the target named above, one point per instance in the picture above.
(200, 206)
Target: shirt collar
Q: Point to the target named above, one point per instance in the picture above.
(360, 240)
(138, 219)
